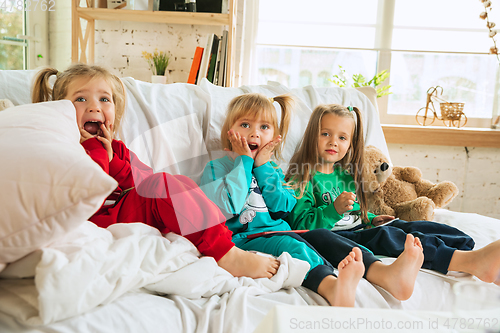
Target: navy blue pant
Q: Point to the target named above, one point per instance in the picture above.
(438, 240)
(328, 246)
(334, 247)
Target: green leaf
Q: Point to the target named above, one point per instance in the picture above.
(360, 81)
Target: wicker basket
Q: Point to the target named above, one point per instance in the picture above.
(451, 111)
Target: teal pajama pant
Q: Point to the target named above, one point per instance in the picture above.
(298, 248)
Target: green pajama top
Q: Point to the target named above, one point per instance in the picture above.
(316, 210)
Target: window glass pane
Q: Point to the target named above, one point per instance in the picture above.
(322, 35)
(441, 41)
(317, 23)
(465, 78)
(338, 11)
(297, 67)
(463, 14)
(443, 25)
(11, 24)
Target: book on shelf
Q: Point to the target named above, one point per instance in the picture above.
(213, 58)
(195, 65)
(205, 59)
(223, 60)
(217, 62)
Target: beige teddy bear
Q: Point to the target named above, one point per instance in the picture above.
(401, 191)
(5, 104)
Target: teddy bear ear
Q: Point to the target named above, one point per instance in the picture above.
(5, 104)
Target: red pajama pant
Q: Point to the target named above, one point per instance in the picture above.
(172, 203)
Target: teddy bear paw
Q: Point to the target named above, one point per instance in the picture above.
(443, 193)
(419, 209)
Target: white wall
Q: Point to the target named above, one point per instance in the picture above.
(119, 45)
(60, 35)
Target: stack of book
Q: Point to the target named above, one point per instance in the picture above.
(210, 62)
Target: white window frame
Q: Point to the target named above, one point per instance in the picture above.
(37, 36)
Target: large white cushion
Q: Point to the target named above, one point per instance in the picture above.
(15, 85)
(49, 185)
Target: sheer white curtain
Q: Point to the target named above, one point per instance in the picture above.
(248, 21)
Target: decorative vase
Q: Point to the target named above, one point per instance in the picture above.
(158, 79)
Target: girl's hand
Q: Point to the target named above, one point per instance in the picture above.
(264, 153)
(381, 219)
(84, 135)
(106, 139)
(239, 144)
(344, 202)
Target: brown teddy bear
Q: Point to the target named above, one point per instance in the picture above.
(401, 191)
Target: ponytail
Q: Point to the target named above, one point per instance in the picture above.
(356, 163)
(42, 91)
(286, 104)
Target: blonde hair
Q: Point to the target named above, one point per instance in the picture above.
(302, 164)
(254, 105)
(43, 92)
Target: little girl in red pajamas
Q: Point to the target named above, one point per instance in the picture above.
(170, 203)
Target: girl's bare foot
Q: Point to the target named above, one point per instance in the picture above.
(243, 263)
(399, 277)
(483, 263)
(351, 270)
(341, 291)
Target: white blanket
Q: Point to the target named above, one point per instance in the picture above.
(94, 266)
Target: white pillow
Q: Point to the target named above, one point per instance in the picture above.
(49, 185)
(16, 85)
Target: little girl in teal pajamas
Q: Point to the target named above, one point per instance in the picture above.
(250, 190)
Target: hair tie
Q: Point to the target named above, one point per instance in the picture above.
(271, 100)
(350, 108)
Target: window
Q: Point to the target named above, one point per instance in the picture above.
(422, 44)
(24, 34)
(12, 49)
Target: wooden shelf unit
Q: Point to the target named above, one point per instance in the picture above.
(82, 49)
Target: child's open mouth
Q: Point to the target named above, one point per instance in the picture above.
(92, 126)
(253, 146)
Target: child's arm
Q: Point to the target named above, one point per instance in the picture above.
(226, 184)
(120, 167)
(97, 152)
(126, 168)
(279, 200)
(309, 215)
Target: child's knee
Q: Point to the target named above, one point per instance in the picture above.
(153, 186)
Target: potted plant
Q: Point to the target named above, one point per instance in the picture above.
(158, 63)
(360, 81)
